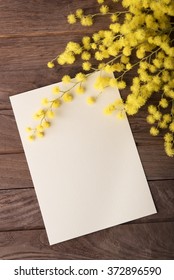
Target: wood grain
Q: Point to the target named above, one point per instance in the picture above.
(14, 173)
(143, 241)
(19, 208)
(9, 137)
(29, 18)
(17, 81)
(14, 170)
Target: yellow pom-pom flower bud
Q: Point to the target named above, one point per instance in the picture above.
(114, 18)
(152, 109)
(66, 79)
(99, 55)
(45, 101)
(168, 137)
(171, 127)
(169, 149)
(67, 97)
(36, 117)
(121, 115)
(131, 110)
(150, 119)
(86, 21)
(71, 19)
(163, 103)
(28, 129)
(157, 115)
(40, 128)
(119, 103)
(39, 114)
(79, 13)
(115, 27)
(140, 53)
(121, 84)
(86, 66)
(152, 68)
(124, 59)
(50, 114)
(127, 51)
(101, 82)
(85, 55)
(80, 77)
(109, 109)
(101, 66)
(56, 103)
(113, 82)
(31, 137)
(86, 40)
(104, 9)
(40, 134)
(73, 47)
(55, 90)
(154, 131)
(91, 100)
(167, 118)
(162, 124)
(96, 37)
(128, 66)
(80, 89)
(46, 124)
(50, 64)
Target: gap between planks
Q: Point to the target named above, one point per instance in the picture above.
(45, 34)
(131, 223)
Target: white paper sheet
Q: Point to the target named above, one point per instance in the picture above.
(86, 171)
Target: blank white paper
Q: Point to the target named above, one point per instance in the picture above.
(86, 171)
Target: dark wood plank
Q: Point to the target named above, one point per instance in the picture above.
(144, 241)
(14, 172)
(30, 53)
(163, 196)
(17, 81)
(156, 164)
(19, 208)
(9, 137)
(28, 18)
(32, 33)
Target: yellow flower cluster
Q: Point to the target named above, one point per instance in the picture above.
(116, 107)
(141, 39)
(45, 115)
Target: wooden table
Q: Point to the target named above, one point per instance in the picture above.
(32, 33)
